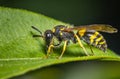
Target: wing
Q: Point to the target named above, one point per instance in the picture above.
(97, 27)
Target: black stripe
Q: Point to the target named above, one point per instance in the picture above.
(102, 40)
(98, 36)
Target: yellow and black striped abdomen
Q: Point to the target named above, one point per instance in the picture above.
(94, 38)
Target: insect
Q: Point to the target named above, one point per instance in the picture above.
(48, 36)
(87, 33)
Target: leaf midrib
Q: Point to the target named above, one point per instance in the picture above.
(75, 58)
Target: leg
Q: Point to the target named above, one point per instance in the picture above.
(49, 49)
(64, 48)
(91, 49)
(37, 36)
(81, 45)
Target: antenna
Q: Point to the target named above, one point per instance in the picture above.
(37, 29)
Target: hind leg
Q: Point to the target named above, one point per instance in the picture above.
(81, 45)
(64, 48)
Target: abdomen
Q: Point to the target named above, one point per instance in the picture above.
(93, 38)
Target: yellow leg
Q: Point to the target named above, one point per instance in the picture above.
(49, 49)
(81, 45)
(64, 48)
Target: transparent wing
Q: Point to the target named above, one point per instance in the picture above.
(97, 27)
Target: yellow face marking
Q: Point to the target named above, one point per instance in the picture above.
(61, 33)
(98, 39)
(53, 30)
(93, 37)
(62, 28)
(82, 32)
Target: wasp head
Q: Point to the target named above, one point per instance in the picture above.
(48, 35)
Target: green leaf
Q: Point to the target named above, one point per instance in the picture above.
(20, 52)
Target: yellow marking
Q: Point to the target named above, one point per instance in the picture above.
(96, 42)
(53, 30)
(62, 28)
(98, 39)
(61, 33)
(81, 45)
(102, 42)
(49, 49)
(82, 32)
(93, 37)
(64, 48)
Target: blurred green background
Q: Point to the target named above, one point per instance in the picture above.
(76, 12)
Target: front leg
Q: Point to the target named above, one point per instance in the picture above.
(49, 49)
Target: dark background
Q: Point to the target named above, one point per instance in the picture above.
(77, 12)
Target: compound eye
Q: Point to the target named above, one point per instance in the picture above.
(49, 35)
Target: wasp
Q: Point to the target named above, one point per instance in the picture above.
(88, 33)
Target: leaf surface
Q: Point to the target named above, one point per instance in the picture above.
(20, 52)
